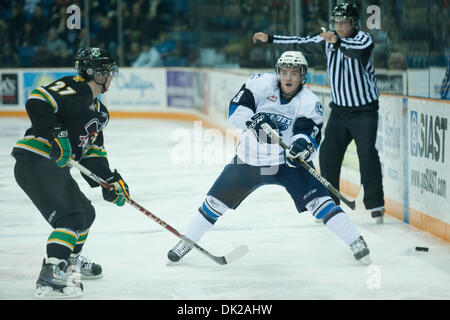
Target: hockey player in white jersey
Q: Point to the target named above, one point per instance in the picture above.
(281, 101)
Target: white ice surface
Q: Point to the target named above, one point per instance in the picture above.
(291, 256)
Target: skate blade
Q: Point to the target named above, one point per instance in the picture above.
(46, 292)
(379, 220)
(365, 260)
(86, 277)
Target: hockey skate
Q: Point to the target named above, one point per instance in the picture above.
(85, 267)
(179, 251)
(378, 215)
(54, 283)
(361, 251)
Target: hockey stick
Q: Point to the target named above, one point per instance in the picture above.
(274, 135)
(222, 260)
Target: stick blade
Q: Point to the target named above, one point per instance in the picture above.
(236, 254)
(351, 204)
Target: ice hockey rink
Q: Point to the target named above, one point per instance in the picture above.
(291, 256)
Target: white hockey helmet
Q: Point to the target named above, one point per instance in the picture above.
(291, 59)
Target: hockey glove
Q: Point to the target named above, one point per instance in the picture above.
(301, 149)
(118, 194)
(255, 125)
(61, 151)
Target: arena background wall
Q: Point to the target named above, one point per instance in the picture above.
(412, 137)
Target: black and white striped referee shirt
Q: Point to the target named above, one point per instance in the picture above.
(349, 63)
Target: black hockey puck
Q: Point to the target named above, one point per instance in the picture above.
(422, 249)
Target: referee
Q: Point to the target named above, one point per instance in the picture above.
(354, 100)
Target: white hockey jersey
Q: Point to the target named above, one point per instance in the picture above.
(261, 93)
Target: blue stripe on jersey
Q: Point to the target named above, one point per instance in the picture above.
(232, 109)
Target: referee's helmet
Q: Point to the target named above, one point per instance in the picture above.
(343, 12)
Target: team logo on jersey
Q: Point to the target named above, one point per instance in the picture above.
(272, 98)
(282, 121)
(92, 128)
(319, 108)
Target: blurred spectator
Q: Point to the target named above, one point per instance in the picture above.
(8, 58)
(58, 20)
(192, 26)
(445, 88)
(28, 37)
(57, 47)
(107, 37)
(44, 58)
(132, 53)
(4, 32)
(397, 61)
(30, 6)
(382, 48)
(137, 19)
(17, 21)
(82, 40)
(150, 57)
(39, 23)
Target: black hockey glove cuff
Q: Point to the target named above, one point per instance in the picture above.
(61, 151)
(255, 125)
(301, 149)
(119, 193)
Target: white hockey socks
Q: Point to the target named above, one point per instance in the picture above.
(341, 226)
(203, 220)
(198, 227)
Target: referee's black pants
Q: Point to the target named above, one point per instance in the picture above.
(344, 125)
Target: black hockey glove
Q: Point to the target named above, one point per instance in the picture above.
(300, 149)
(61, 151)
(255, 125)
(118, 194)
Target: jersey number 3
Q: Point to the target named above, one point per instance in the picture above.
(61, 85)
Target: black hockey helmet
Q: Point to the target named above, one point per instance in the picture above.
(345, 11)
(95, 61)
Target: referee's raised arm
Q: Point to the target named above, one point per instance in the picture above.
(307, 45)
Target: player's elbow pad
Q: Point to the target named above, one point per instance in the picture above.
(240, 116)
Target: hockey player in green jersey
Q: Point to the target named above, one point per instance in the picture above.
(67, 122)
